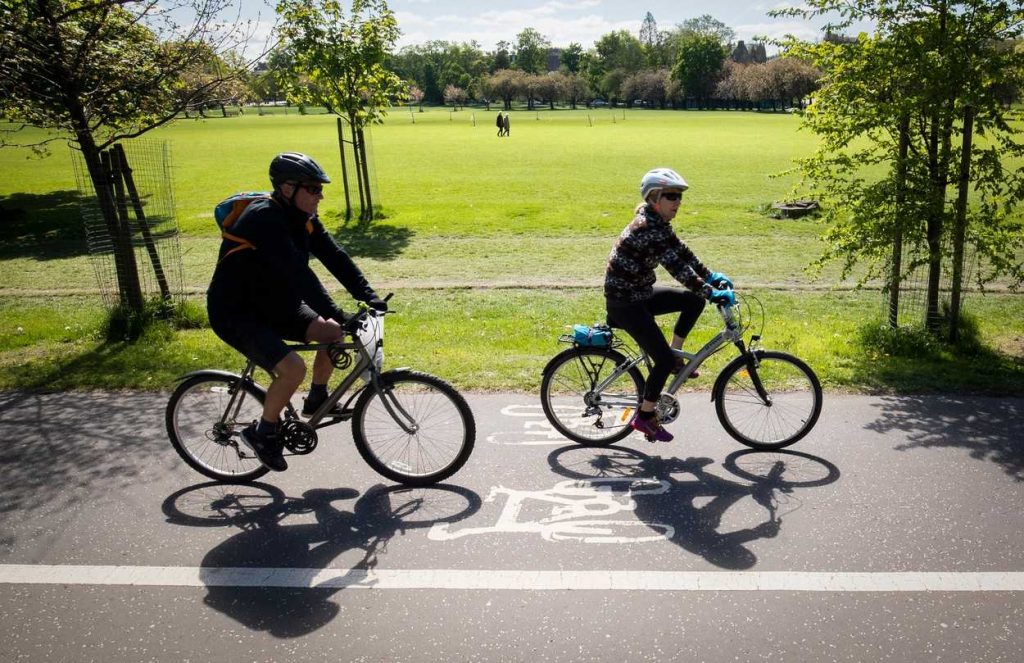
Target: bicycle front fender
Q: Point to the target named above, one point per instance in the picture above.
(728, 369)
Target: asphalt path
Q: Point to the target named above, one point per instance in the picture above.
(892, 532)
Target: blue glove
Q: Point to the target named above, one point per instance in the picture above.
(721, 297)
(720, 280)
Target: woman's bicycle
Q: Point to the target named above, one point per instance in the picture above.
(764, 398)
(410, 427)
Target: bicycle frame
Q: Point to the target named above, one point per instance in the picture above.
(730, 334)
(364, 364)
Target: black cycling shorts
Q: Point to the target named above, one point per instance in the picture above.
(260, 338)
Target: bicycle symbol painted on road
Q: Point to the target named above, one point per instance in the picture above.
(536, 430)
(577, 509)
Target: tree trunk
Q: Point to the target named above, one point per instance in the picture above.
(128, 286)
(895, 277)
(344, 166)
(368, 212)
(960, 224)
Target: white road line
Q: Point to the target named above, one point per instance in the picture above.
(661, 581)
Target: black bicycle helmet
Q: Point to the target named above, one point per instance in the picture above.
(296, 167)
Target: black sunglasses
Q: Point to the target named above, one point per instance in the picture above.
(311, 188)
(673, 195)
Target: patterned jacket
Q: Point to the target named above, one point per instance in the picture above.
(645, 243)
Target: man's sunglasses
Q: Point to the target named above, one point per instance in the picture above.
(672, 195)
(311, 188)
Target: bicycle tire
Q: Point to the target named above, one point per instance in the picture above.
(569, 378)
(439, 446)
(795, 405)
(193, 423)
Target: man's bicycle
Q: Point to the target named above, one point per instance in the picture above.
(410, 427)
(764, 398)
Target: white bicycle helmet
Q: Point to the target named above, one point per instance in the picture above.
(661, 178)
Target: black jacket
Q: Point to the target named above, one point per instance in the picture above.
(263, 264)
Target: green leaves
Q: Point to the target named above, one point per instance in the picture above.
(339, 58)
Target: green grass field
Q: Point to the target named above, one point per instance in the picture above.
(492, 245)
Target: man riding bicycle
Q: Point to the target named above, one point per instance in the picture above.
(633, 300)
(264, 292)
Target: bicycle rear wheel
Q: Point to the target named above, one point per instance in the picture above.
(582, 414)
(416, 430)
(208, 436)
(787, 411)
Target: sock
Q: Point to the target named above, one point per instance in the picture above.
(317, 393)
(647, 415)
(266, 428)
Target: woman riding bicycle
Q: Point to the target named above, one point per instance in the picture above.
(633, 300)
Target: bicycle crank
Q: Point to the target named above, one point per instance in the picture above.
(667, 408)
(298, 436)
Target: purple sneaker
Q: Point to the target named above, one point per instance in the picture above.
(651, 429)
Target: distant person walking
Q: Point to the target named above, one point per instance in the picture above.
(500, 124)
(506, 124)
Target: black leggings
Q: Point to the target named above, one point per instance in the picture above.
(637, 319)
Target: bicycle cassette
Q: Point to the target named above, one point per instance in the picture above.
(667, 409)
(298, 436)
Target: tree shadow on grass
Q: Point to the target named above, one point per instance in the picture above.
(42, 226)
(987, 428)
(363, 239)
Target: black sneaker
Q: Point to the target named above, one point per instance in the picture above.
(311, 405)
(266, 447)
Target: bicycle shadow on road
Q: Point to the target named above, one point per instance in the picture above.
(988, 428)
(769, 479)
(268, 541)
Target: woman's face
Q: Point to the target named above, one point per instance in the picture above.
(666, 203)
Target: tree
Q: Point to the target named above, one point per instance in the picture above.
(531, 51)
(700, 65)
(908, 100)
(649, 32)
(708, 26)
(577, 90)
(103, 71)
(552, 87)
(342, 57)
(454, 95)
(572, 58)
(501, 58)
(506, 84)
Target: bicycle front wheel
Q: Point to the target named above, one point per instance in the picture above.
(416, 429)
(770, 404)
(206, 432)
(577, 409)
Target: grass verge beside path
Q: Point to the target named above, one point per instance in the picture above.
(500, 340)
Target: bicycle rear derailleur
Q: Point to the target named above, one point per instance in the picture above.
(298, 436)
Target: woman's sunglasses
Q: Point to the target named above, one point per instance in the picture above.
(673, 195)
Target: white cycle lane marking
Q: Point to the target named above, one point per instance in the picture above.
(575, 514)
(519, 580)
(533, 427)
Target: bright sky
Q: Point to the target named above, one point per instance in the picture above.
(565, 21)
(583, 21)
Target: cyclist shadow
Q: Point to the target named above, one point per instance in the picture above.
(267, 541)
(697, 529)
